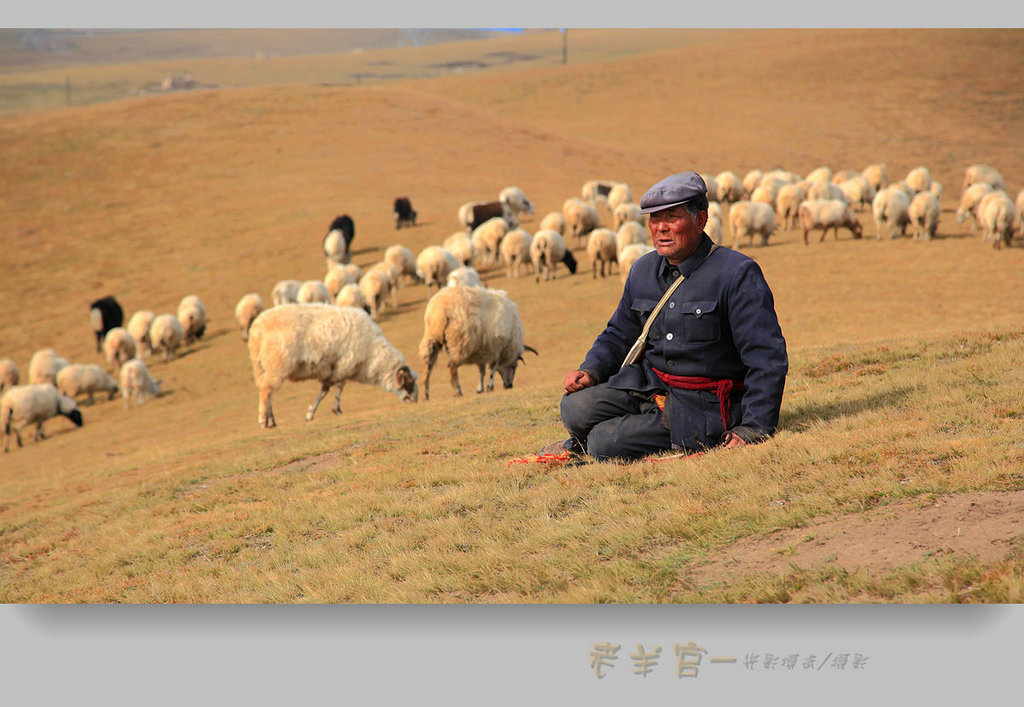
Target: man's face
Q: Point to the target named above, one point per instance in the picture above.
(676, 233)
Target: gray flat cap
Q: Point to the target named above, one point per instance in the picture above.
(673, 191)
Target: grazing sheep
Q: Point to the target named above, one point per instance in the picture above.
(313, 292)
(819, 174)
(983, 174)
(138, 327)
(747, 218)
(996, 215)
(713, 228)
(515, 200)
(466, 213)
(629, 255)
(730, 187)
(44, 366)
(602, 249)
(919, 179)
(752, 180)
(460, 245)
(826, 214)
(403, 212)
(192, 315)
(376, 288)
(474, 325)
(464, 276)
(924, 214)
(629, 233)
(332, 345)
(85, 379)
(336, 277)
(596, 191)
(433, 265)
(351, 296)
(877, 176)
(824, 190)
(620, 194)
(969, 201)
(858, 192)
(479, 213)
(715, 209)
(547, 249)
(581, 218)
(137, 382)
(285, 292)
(166, 334)
(354, 271)
(337, 244)
(845, 175)
(248, 308)
(891, 206)
(391, 277)
(554, 221)
(787, 201)
(765, 194)
(34, 404)
(486, 239)
(104, 315)
(118, 347)
(626, 212)
(403, 259)
(515, 251)
(9, 375)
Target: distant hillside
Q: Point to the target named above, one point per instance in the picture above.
(40, 48)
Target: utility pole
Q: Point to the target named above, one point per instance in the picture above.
(565, 45)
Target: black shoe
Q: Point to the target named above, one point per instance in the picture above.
(556, 447)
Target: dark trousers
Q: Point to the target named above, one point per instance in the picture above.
(614, 424)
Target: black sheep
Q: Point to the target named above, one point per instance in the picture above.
(105, 314)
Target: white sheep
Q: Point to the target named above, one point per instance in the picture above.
(392, 275)
(136, 382)
(845, 175)
(730, 187)
(628, 211)
(476, 326)
(603, 250)
(285, 292)
(547, 249)
(581, 218)
(996, 215)
(715, 209)
(764, 194)
(85, 379)
(787, 201)
(983, 174)
(969, 201)
(44, 366)
(486, 239)
(138, 327)
(858, 192)
(713, 228)
(376, 288)
(515, 251)
(629, 255)
(919, 179)
(191, 301)
(335, 278)
(819, 174)
(936, 189)
(118, 347)
(248, 308)
(629, 233)
(826, 214)
(460, 244)
(891, 206)
(747, 218)
(820, 189)
(924, 214)
(464, 276)
(336, 248)
(166, 334)
(402, 258)
(620, 194)
(553, 221)
(9, 375)
(712, 186)
(515, 200)
(751, 180)
(877, 176)
(434, 263)
(596, 191)
(34, 404)
(351, 296)
(313, 292)
(192, 316)
(332, 345)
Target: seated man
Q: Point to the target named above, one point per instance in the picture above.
(714, 364)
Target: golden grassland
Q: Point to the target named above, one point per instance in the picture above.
(903, 353)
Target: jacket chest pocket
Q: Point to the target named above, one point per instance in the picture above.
(700, 320)
(643, 308)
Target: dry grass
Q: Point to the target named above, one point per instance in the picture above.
(902, 352)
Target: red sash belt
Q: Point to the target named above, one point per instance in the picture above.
(722, 388)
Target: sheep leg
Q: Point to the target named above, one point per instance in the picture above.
(39, 433)
(337, 398)
(325, 388)
(265, 418)
(490, 382)
(482, 367)
(453, 371)
(429, 360)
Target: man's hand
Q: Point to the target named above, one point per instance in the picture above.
(577, 380)
(733, 440)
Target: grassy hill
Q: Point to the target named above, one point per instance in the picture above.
(904, 353)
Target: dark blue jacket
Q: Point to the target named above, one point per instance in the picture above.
(719, 323)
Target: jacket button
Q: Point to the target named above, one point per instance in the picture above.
(696, 311)
(671, 305)
(668, 336)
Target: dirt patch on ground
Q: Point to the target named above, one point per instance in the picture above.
(979, 525)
